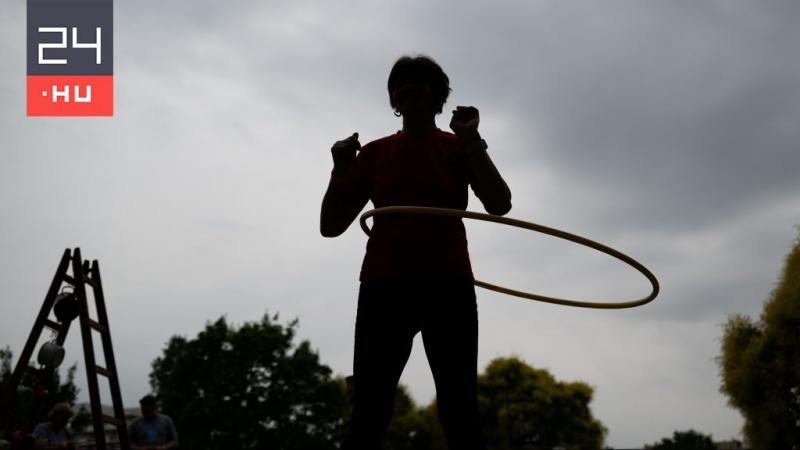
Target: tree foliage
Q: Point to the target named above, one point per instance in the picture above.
(249, 387)
(520, 407)
(252, 387)
(57, 390)
(685, 440)
(526, 408)
(760, 364)
(413, 427)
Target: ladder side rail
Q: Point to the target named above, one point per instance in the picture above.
(88, 352)
(38, 326)
(9, 417)
(108, 350)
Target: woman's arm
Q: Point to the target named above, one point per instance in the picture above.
(340, 206)
(486, 181)
(346, 194)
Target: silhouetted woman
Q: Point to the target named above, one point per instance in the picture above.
(416, 275)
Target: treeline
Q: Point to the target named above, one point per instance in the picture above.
(251, 386)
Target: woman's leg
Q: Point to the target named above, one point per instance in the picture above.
(385, 329)
(450, 335)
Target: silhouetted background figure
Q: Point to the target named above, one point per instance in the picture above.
(152, 431)
(53, 434)
(416, 274)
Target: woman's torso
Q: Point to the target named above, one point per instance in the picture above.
(425, 170)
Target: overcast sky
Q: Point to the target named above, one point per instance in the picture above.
(668, 130)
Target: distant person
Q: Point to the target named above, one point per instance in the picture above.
(416, 274)
(152, 431)
(53, 433)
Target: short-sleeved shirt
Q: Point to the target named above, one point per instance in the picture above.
(402, 170)
(54, 438)
(158, 431)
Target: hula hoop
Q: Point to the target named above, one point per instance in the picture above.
(535, 227)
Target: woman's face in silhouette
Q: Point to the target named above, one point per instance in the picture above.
(413, 96)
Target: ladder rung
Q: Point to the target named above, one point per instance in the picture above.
(52, 325)
(110, 419)
(104, 372)
(71, 280)
(96, 325)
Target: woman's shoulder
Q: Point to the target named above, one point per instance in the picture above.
(382, 141)
(386, 142)
(451, 142)
(444, 134)
(379, 148)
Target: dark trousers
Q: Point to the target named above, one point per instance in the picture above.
(389, 316)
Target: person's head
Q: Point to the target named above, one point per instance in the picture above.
(417, 85)
(60, 415)
(148, 406)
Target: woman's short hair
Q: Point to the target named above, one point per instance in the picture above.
(420, 66)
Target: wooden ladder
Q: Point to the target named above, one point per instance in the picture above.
(82, 274)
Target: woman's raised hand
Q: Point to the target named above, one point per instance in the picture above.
(344, 152)
(465, 120)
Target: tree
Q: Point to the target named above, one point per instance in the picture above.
(252, 387)
(685, 440)
(525, 408)
(249, 387)
(413, 427)
(50, 380)
(428, 433)
(760, 364)
(520, 408)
